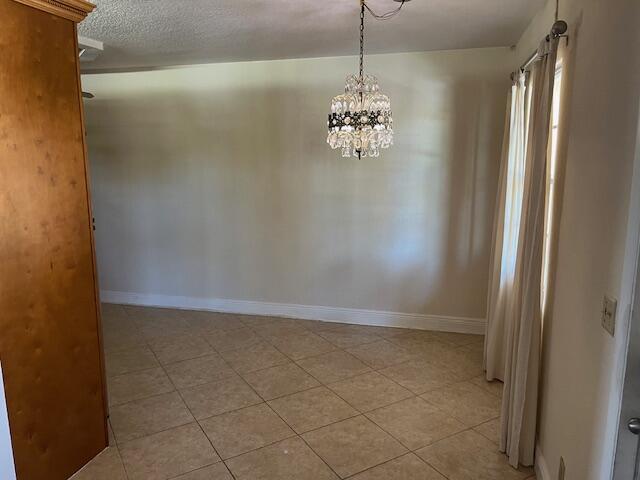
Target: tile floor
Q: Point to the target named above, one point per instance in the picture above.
(206, 396)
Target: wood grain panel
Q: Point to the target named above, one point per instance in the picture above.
(49, 320)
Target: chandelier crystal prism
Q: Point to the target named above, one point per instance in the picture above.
(360, 122)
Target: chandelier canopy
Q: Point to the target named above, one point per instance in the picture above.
(360, 122)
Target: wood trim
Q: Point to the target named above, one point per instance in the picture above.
(93, 243)
(74, 10)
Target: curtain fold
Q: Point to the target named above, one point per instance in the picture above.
(514, 322)
(505, 229)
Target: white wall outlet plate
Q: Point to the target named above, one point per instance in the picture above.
(609, 307)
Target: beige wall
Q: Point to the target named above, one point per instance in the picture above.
(215, 181)
(583, 364)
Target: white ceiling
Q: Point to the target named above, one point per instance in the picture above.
(152, 33)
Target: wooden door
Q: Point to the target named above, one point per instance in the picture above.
(49, 315)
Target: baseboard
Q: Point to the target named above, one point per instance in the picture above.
(541, 466)
(307, 312)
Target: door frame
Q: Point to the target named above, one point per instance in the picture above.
(628, 358)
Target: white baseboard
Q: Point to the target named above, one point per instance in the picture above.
(541, 466)
(308, 312)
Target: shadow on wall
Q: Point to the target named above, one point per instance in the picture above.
(233, 193)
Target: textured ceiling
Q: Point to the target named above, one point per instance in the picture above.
(152, 33)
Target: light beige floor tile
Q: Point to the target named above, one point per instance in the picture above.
(257, 320)
(420, 376)
(137, 385)
(281, 380)
(494, 387)
(353, 445)
(433, 351)
(381, 354)
(153, 333)
(255, 357)
(162, 325)
(414, 338)
(175, 349)
(345, 338)
(198, 371)
(122, 339)
(106, 466)
(439, 353)
(312, 409)
(239, 338)
(369, 391)
(118, 362)
(212, 321)
(477, 348)
(168, 454)
(415, 423)
(238, 432)
(303, 345)
(407, 467)
(290, 459)
(170, 322)
(150, 415)
(490, 430)
(316, 325)
(219, 397)
(214, 472)
(470, 456)
(140, 313)
(466, 402)
(119, 325)
(144, 315)
(444, 368)
(353, 328)
(389, 332)
(459, 339)
(279, 330)
(112, 310)
(333, 366)
(466, 363)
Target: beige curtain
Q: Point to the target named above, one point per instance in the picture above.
(506, 227)
(514, 323)
(566, 54)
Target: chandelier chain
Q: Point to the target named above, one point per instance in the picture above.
(386, 15)
(362, 41)
(360, 122)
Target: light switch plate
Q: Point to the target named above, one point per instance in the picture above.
(609, 307)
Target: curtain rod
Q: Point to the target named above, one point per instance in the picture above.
(558, 30)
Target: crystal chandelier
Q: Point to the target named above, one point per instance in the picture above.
(360, 122)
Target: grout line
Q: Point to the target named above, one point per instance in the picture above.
(380, 464)
(124, 468)
(192, 415)
(288, 394)
(357, 414)
(233, 457)
(134, 371)
(413, 395)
